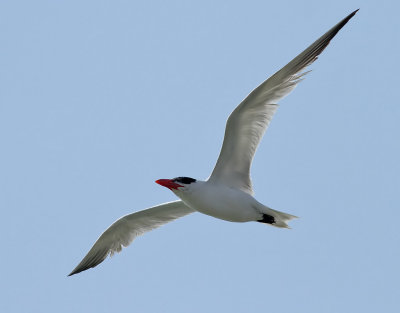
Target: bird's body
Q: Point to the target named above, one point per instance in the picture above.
(227, 203)
(220, 201)
(228, 193)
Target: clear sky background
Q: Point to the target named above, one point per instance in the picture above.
(100, 98)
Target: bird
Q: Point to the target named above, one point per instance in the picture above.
(227, 194)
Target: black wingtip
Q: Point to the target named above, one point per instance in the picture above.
(72, 273)
(352, 14)
(77, 271)
(346, 19)
(334, 30)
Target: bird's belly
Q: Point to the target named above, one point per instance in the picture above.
(229, 209)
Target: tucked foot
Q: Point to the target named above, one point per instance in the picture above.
(268, 219)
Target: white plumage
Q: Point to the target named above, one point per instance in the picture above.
(228, 193)
(122, 232)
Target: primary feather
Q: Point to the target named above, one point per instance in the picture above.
(122, 232)
(248, 122)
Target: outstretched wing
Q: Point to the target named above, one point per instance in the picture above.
(248, 122)
(122, 232)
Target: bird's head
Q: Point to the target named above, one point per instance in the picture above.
(177, 183)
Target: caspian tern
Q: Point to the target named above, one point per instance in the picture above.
(228, 193)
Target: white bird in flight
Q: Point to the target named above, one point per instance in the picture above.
(228, 192)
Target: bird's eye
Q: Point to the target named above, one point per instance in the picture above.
(184, 180)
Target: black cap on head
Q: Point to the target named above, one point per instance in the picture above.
(184, 180)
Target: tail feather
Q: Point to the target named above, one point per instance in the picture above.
(276, 218)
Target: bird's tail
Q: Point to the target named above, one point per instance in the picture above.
(276, 218)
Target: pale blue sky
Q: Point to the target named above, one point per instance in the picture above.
(100, 98)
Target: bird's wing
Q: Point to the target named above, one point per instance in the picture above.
(247, 123)
(122, 232)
